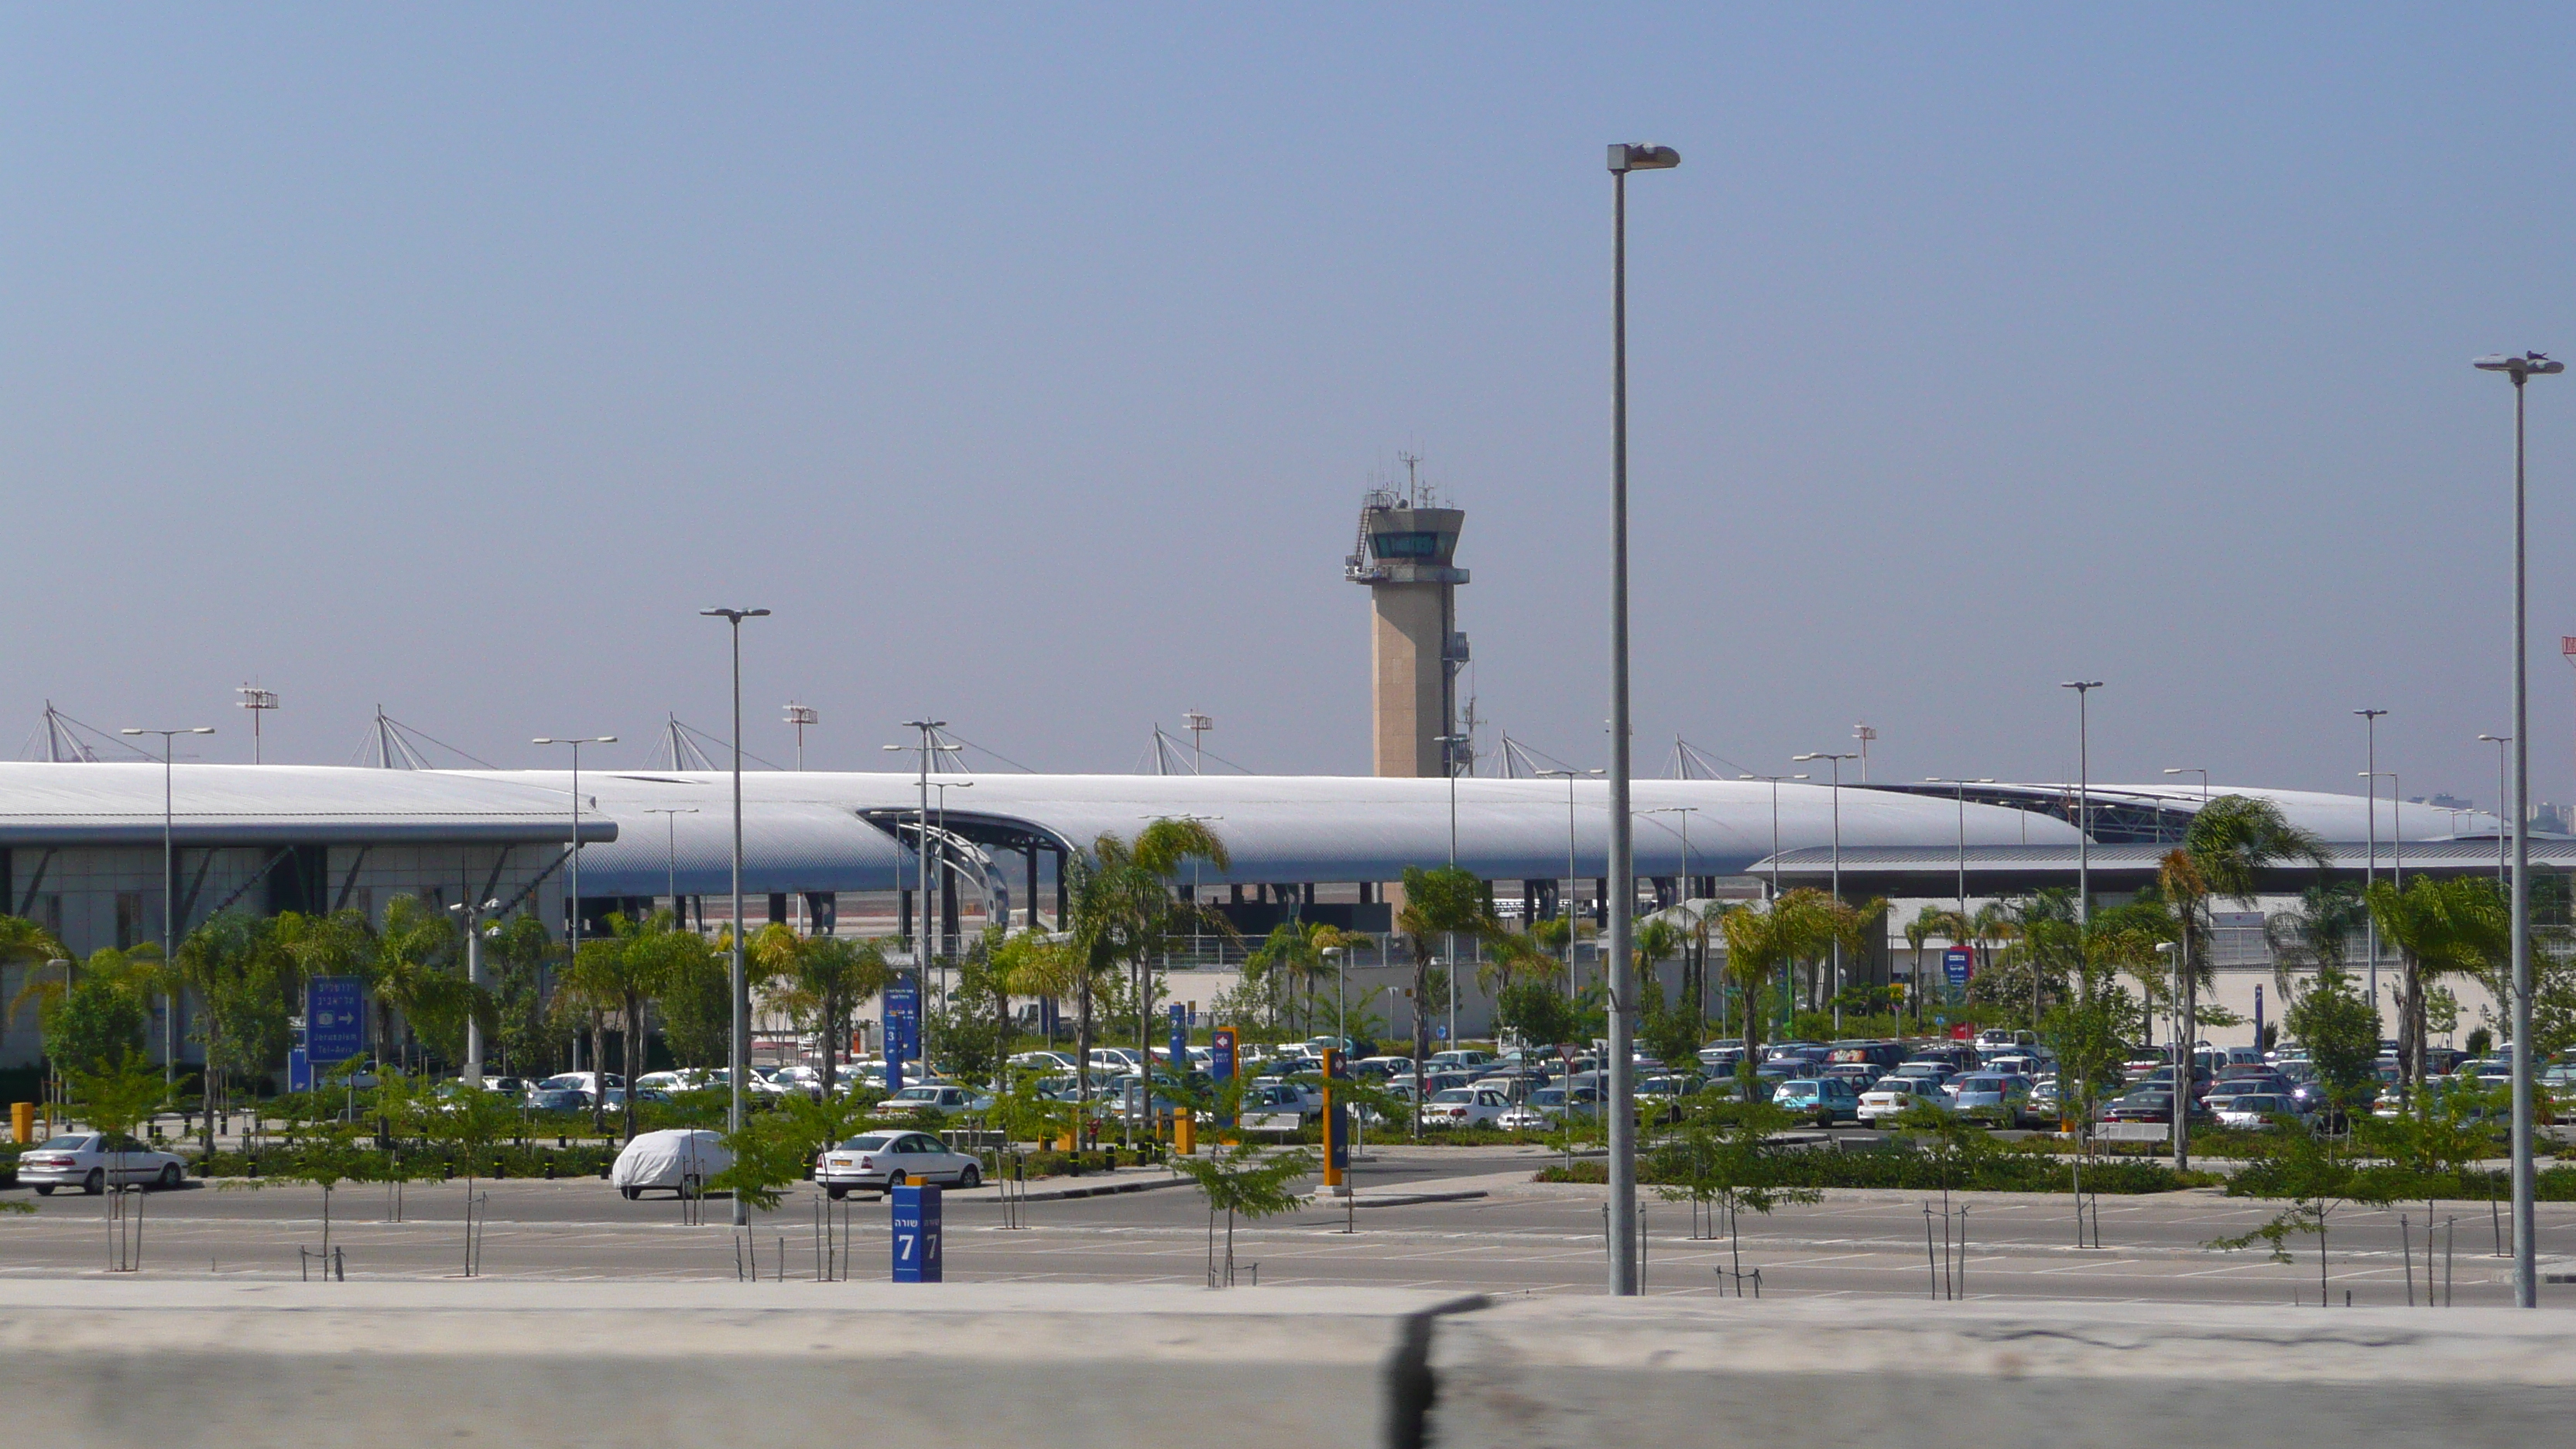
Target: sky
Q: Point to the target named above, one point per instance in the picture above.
(1030, 362)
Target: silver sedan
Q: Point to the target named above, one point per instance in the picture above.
(93, 1161)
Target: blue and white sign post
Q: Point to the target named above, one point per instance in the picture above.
(1180, 1038)
(916, 1233)
(1221, 1064)
(335, 1021)
(1957, 962)
(902, 1027)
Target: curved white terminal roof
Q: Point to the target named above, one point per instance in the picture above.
(829, 831)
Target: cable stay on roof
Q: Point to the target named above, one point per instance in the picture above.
(66, 741)
(392, 745)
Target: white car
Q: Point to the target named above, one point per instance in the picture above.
(586, 1083)
(882, 1160)
(91, 1161)
(940, 1097)
(1466, 1107)
(1891, 1096)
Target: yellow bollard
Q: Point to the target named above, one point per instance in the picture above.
(22, 1123)
(1064, 1143)
(1185, 1134)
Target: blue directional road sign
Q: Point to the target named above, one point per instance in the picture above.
(902, 1027)
(299, 1071)
(1221, 1062)
(1956, 963)
(335, 1021)
(916, 1233)
(1180, 1037)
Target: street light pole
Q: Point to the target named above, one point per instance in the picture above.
(2083, 797)
(259, 702)
(1566, 907)
(2193, 770)
(2370, 871)
(2500, 741)
(472, 915)
(2526, 1276)
(170, 903)
(1962, 793)
(1621, 1108)
(1449, 766)
(1837, 868)
(671, 850)
(738, 1060)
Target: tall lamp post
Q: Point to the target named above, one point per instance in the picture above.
(2526, 1275)
(738, 1059)
(1960, 788)
(1838, 865)
(2499, 741)
(2370, 821)
(1621, 1108)
(1449, 766)
(671, 853)
(169, 901)
(1567, 906)
(2083, 797)
(2193, 770)
(472, 917)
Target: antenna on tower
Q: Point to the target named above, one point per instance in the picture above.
(1412, 483)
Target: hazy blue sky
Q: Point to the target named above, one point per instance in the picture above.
(1030, 363)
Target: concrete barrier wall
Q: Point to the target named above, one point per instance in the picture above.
(643, 1365)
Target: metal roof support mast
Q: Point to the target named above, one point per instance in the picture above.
(1623, 865)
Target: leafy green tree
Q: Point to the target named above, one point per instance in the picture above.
(2299, 1167)
(774, 1149)
(97, 1024)
(1241, 1182)
(697, 1006)
(1121, 916)
(517, 955)
(1723, 1159)
(1537, 1013)
(2341, 1032)
(624, 971)
(248, 984)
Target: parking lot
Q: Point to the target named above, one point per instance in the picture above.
(1458, 1218)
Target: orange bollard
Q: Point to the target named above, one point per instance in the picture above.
(22, 1123)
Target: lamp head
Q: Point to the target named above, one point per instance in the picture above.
(1625, 157)
(2518, 368)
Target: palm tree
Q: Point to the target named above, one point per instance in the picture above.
(2453, 927)
(2232, 841)
(2317, 935)
(1761, 940)
(838, 973)
(411, 971)
(24, 943)
(1437, 903)
(625, 970)
(219, 961)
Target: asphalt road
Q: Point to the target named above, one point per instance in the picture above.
(1518, 1236)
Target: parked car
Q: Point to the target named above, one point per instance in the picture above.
(1466, 1107)
(1890, 1096)
(1549, 1106)
(1994, 1097)
(2256, 1109)
(558, 1099)
(1275, 1099)
(1460, 1059)
(679, 1160)
(882, 1160)
(586, 1082)
(94, 1162)
(938, 1097)
(2151, 1104)
(1823, 1100)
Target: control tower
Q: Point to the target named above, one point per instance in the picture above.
(1405, 551)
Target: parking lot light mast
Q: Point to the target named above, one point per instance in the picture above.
(801, 715)
(2526, 1276)
(1565, 908)
(1621, 1108)
(2083, 797)
(1961, 788)
(2370, 824)
(2503, 762)
(169, 899)
(738, 1061)
(1838, 865)
(2193, 770)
